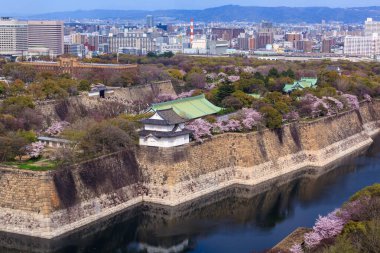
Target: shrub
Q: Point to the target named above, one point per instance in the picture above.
(272, 116)
(342, 244)
(370, 191)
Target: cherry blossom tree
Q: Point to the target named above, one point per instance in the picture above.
(233, 79)
(201, 129)
(35, 149)
(325, 227)
(186, 94)
(335, 103)
(291, 116)
(251, 118)
(367, 98)
(163, 97)
(57, 128)
(352, 101)
(296, 248)
(233, 125)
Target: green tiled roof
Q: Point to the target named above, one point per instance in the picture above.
(305, 82)
(189, 108)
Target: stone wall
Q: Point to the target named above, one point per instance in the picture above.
(139, 94)
(49, 204)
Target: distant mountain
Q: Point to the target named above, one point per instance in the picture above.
(230, 13)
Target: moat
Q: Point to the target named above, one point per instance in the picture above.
(238, 219)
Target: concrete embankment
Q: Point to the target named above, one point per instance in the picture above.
(50, 204)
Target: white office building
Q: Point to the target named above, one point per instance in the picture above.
(46, 35)
(363, 46)
(371, 27)
(13, 37)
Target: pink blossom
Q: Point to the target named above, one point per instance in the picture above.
(183, 72)
(329, 226)
(248, 69)
(296, 248)
(186, 94)
(56, 128)
(312, 239)
(163, 97)
(211, 76)
(352, 101)
(291, 116)
(367, 98)
(201, 129)
(339, 105)
(222, 75)
(233, 79)
(325, 227)
(35, 149)
(251, 118)
(354, 210)
(233, 125)
(324, 106)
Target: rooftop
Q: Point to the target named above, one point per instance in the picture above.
(304, 82)
(169, 116)
(189, 108)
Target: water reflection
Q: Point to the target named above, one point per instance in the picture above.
(239, 219)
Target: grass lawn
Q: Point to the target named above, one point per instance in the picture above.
(34, 165)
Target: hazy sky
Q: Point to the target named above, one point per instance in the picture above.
(43, 6)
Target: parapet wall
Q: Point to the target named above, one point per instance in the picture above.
(48, 204)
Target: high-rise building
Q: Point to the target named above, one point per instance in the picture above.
(293, 37)
(371, 27)
(252, 43)
(226, 33)
(13, 37)
(304, 45)
(137, 40)
(46, 35)
(365, 46)
(243, 41)
(264, 39)
(149, 21)
(326, 45)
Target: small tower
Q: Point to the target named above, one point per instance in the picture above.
(164, 129)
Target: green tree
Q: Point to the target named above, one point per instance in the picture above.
(259, 76)
(11, 146)
(272, 116)
(104, 138)
(342, 244)
(224, 91)
(84, 85)
(175, 73)
(289, 73)
(273, 72)
(17, 88)
(3, 88)
(15, 105)
(232, 102)
(244, 98)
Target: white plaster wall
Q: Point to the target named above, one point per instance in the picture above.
(158, 128)
(165, 142)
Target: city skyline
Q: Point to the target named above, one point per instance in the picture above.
(45, 6)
